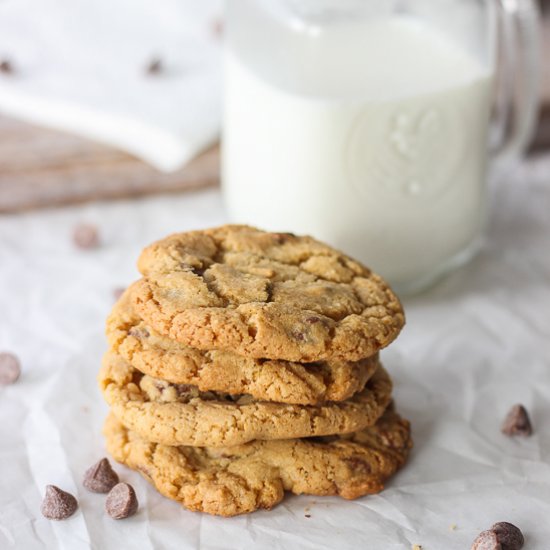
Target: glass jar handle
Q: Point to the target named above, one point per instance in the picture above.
(518, 99)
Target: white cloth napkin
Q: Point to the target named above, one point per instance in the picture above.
(81, 66)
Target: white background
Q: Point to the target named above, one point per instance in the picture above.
(473, 346)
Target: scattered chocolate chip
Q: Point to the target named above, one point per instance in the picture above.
(501, 536)
(508, 535)
(155, 66)
(216, 27)
(121, 501)
(100, 478)
(486, 540)
(517, 422)
(6, 66)
(86, 236)
(58, 504)
(10, 369)
(308, 515)
(118, 292)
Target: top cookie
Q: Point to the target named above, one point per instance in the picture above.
(264, 295)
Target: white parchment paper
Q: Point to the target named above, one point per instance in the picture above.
(473, 346)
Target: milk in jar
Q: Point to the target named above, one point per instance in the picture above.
(387, 163)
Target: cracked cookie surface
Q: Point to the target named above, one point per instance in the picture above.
(224, 371)
(182, 415)
(264, 295)
(234, 480)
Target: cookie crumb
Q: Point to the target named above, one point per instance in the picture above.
(100, 478)
(10, 368)
(452, 527)
(121, 501)
(86, 236)
(517, 422)
(416, 547)
(58, 504)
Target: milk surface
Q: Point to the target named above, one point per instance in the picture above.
(387, 162)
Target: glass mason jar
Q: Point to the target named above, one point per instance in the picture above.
(370, 124)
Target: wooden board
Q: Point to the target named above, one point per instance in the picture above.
(40, 167)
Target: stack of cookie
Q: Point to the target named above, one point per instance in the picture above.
(245, 363)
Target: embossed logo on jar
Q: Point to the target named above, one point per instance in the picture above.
(409, 151)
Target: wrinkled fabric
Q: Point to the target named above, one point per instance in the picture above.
(81, 66)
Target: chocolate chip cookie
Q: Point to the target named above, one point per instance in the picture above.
(224, 371)
(183, 415)
(264, 295)
(228, 481)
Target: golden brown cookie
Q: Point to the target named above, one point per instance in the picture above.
(182, 415)
(225, 371)
(235, 480)
(264, 295)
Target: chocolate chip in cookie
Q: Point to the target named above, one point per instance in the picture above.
(121, 501)
(10, 368)
(100, 478)
(358, 466)
(517, 422)
(58, 504)
(139, 333)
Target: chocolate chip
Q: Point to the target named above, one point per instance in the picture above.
(121, 501)
(118, 292)
(86, 236)
(58, 504)
(508, 535)
(10, 368)
(184, 389)
(216, 27)
(299, 335)
(281, 238)
(517, 422)
(100, 478)
(501, 536)
(486, 540)
(155, 66)
(139, 333)
(6, 67)
(313, 320)
(358, 465)
(195, 269)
